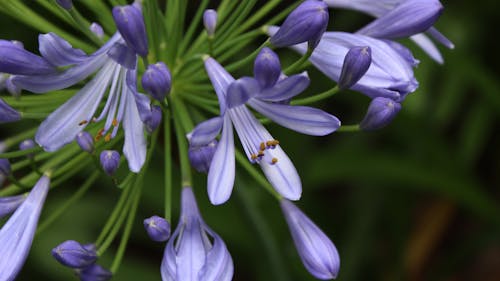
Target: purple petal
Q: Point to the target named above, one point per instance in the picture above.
(428, 47)
(222, 169)
(356, 63)
(10, 204)
(285, 89)
(206, 131)
(16, 60)
(7, 113)
(267, 68)
(134, 146)
(380, 113)
(241, 90)
(303, 119)
(434, 33)
(123, 55)
(218, 264)
(210, 21)
(130, 24)
(58, 51)
(220, 79)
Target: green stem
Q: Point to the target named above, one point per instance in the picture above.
(247, 59)
(348, 128)
(20, 153)
(168, 164)
(298, 64)
(19, 137)
(318, 97)
(181, 124)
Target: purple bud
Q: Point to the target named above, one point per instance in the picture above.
(66, 4)
(158, 228)
(130, 24)
(73, 254)
(27, 144)
(210, 21)
(306, 23)
(97, 30)
(380, 113)
(154, 119)
(94, 272)
(157, 81)
(85, 141)
(316, 250)
(356, 64)
(7, 113)
(4, 167)
(16, 60)
(110, 160)
(201, 156)
(267, 68)
(12, 88)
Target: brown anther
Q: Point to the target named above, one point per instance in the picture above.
(115, 122)
(107, 138)
(83, 122)
(274, 160)
(262, 146)
(253, 156)
(99, 134)
(261, 153)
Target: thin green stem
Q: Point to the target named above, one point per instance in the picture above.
(20, 153)
(247, 59)
(316, 98)
(181, 124)
(298, 64)
(167, 131)
(349, 128)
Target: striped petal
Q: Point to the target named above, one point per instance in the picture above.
(58, 51)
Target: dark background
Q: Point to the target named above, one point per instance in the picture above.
(417, 200)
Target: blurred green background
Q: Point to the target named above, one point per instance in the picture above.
(417, 200)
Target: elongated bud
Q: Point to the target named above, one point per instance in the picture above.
(157, 228)
(27, 144)
(267, 68)
(94, 272)
(110, 160)
(16, 60)
(66, 4)
(7, 113)
(85, 141)
(200, 157)
(154, 119)
(356, 64)
(380, 113)
(5, 168)
(316, 250)
(97, 30)
(157, 81)
(306, 23)
(210, 21)
(130, 24)
(73, 254)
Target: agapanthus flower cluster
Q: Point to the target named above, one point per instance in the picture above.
(195, 93)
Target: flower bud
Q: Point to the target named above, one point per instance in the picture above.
(97, 30)
(65, 4)
(5, 167)
(316, 250)
(210, 21)
(157, 81)
(16, 60)
(73, 254)
(356, 64)
(200, 157)
(27, 144)
(94, 272)
(380, 113)
(306, 23)
(157, 228)
(130, 24)
(85, 141)
(7, 113)
(267, 68)
(154, 119)
(110, 160)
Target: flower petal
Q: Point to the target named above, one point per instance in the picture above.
(241, 90)
(303, 119)
(286, 89)
(206, 131)
(10, 204)
(220, 79)
(428, 47)
(58, 51)
(221, 174)
(134, 146)
(7, 113)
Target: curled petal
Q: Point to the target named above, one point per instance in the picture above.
(206, 131)
(58, 51)
(241, 90)
(285, 89)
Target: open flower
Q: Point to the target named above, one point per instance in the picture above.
(260, 147)
(17, 234)
(195, 252)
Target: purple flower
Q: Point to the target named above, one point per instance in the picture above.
(306, 23)
(7, 113)
(195, 251)
(10, 204)
(201, 156)
(14, 59)
(130, 24)
(157, 228)
(110, 160)
(210, 21)
(316, 250)
(380, 113)
(97, 30)
(85, 141)
(157, 81)
(382, 7)
(115, 65)
(154, 119)
(73, 254)
(389, 75)
(356, 64)
(259, 145)
(17, 234)
(94, 272)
